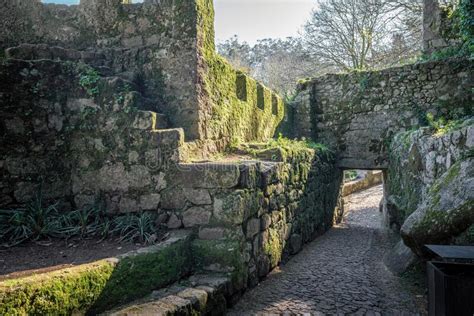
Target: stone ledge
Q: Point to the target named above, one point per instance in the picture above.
(207, 175)
(199, 295)
(95, 287)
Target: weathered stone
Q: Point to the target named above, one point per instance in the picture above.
(173, 199)
(196, 216)
(446, 212)
(211, 233)
(150, 202)
(296, 241)
(400, 258)
(266, 221)
(253, 228)
(198, 196)
(174, 222)
(129, 205)
(208, 175)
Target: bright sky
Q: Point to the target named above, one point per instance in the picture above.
(258, 19)
(254, 19)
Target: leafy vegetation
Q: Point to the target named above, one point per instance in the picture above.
(350, 175)
(38, 221)
(89, 80)
(441, 125)
(459, 25)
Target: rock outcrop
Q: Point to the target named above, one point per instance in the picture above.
(430, 186)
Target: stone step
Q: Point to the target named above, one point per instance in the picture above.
(101, 285)
(148, 120)
(201, 294)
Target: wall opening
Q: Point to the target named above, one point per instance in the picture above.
(260, 96)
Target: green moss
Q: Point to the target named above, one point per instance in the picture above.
(137, 276)
(225, 255)
(273, 247)
(55, 293)
(442, 225)
(240, 107)
(445, 181)
(94, 287)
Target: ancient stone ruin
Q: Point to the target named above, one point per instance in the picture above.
(130, 106)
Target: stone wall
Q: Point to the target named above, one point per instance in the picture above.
(89, 119)
(167, 47)
(357, 113)
(77, 147)
(370, 179)
(429, 189)
(436, 24)
(154, 43)
(248, 216)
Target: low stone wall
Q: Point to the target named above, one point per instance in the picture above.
(249, 216)
(358, 113)
(430, 186)
(98, 286)
(369, 180)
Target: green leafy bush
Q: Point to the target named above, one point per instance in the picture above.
(133, 227)
(441, 125)
(89, 80)
(30, 223)
(38, 222)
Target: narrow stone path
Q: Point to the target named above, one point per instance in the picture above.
(340, 273)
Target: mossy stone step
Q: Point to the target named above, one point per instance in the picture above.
(98, 286)
(202, 294)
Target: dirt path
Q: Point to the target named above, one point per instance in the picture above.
(340, 273)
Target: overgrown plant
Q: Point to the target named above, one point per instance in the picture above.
(39, 222)
(89, 80)
(33, 222)
(136, 228)
(441, 125)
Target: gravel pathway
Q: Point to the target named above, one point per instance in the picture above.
(340, 273)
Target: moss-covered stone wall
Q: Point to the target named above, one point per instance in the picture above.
(430, 185)
(80, 137)
(233, 106)
(358, 113)
(249, 216)
(152, 43)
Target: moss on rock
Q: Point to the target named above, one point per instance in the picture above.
(95, 287)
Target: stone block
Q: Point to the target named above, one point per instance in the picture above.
(212, 233)
(174, 222)
(253, 228)
(144, 120)
(150, 202)
(196, 216)
(265, 222)
(198, 196)
(296, 242)
(207, 175)
(173, 199)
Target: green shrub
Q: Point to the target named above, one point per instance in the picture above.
(89, 80)
(39, 221)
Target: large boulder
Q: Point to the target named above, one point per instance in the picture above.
(447, 211)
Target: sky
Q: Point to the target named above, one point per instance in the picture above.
(252, 20)
(258, 19)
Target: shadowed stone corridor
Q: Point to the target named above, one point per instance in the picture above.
(340, 273)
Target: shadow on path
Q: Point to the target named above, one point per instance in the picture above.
(339, 273)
